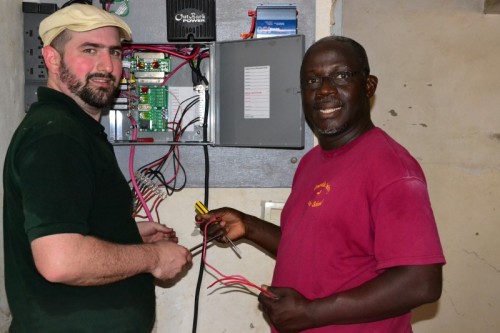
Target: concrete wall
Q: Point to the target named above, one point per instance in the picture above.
(11, 95)
(439, 95)
(437, 63)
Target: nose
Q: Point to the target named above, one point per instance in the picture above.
(105, 63)
(327, 86)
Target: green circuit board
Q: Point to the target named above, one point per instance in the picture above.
(153, 108)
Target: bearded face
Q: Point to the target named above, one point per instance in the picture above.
(100, 97)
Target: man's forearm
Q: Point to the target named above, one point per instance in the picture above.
(85, 261)
(397, 291)
(263, 233)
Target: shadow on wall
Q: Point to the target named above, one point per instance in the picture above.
(424, 312)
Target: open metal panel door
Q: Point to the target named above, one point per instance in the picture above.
(257, 92)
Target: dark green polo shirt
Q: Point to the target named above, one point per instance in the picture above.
(61, 176)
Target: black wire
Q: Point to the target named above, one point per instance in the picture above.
(104, 2)
(195, 67)
(181, 167)
(177, 133)
(205, 200)
(178, 129)
(171, 148)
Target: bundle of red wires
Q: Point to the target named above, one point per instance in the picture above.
(228, 280)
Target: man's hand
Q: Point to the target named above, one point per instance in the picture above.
(172, 259)
(288, 311)
(152, 232)
(238, 225)
(227, 219)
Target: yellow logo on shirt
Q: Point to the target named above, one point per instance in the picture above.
(320, 192)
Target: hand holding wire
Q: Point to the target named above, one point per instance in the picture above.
(227, 280)
(202, 209)
(287, 309)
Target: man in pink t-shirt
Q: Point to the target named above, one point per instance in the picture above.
(358, 247)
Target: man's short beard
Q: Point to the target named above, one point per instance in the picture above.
(100, 98)
(333, 131)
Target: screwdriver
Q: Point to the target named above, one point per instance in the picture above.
(208, 241)
(202, 209)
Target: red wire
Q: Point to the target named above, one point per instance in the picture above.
(131, 170)
(157, 203)
(253, 15)
(228, 280)
(165, 49)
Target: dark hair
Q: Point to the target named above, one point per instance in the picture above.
(358, 49)
(60, 41)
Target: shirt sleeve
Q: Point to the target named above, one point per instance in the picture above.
(404, 226)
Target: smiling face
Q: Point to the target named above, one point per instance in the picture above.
(336, 91)
(88, 68)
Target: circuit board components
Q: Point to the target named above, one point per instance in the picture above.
(152, 108)
(149, 70)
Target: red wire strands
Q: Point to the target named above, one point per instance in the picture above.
(228, 280)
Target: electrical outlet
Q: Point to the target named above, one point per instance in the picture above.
(35, 73)
(271, 211)
(33, 61)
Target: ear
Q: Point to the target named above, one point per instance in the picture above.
(52, 59)
(371, 85)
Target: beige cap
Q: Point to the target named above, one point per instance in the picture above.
(80, 17)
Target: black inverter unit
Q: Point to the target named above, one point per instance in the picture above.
(190, 20)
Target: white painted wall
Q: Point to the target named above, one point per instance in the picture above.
(437, 63)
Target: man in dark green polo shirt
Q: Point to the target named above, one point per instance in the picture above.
(75, 260)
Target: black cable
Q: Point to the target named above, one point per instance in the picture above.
(176, 162)
(177, 132)
(205, 201)
(105, 2)
(197, 75)
(178, 129)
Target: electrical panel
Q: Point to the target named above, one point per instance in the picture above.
(163, 96)
(246, 96)
(35, 73)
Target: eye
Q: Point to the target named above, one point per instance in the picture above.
(345, 75)
(313, 80)
(116, 53)
(89, 50)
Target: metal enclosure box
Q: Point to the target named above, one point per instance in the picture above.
(257, 93)
(254, 94)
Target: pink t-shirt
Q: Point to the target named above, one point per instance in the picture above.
(352, 213)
